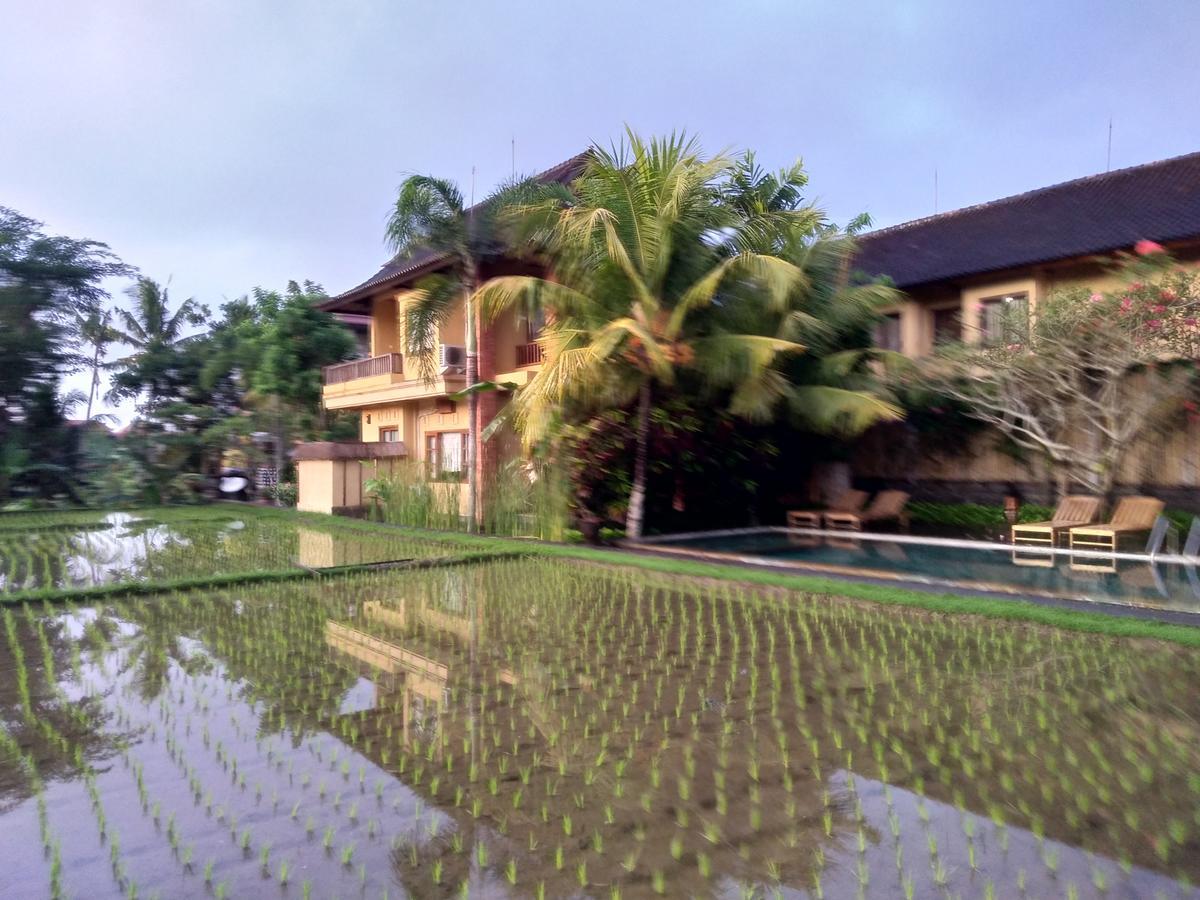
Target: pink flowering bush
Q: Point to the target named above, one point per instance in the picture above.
(1095, 371)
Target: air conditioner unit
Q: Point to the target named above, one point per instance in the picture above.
(451, 358)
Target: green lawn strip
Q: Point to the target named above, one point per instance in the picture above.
(140, 588)
(1014, 610)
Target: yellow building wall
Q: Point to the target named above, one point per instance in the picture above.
(329, 485)
(385, 331)
(314, 480)
(454, 329)
(973, 297)
(507, 333)
(414, 419)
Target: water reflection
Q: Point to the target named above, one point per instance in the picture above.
(163, 545)
(532, 726)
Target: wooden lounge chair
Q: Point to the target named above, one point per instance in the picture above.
(1071, 511)
(888, 506)
(1133, 516)
(849, 500)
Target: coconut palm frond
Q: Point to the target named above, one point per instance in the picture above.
(834, 410)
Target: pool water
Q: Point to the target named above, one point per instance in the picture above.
(1171, 585)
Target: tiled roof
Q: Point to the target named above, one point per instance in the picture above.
(397, 269)
(1158, 201)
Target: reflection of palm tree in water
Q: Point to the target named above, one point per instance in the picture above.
(83, 722)
(153, 651)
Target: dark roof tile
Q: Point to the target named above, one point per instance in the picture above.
(1158, 201)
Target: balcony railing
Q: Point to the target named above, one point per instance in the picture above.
(529, 354)
(388, 364)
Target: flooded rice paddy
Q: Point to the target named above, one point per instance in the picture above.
(86, 549)
(543, 728)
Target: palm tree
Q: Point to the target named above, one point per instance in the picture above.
(95, 331)
(430, 216)
(648, 284)
(155, 333)
(832, 388)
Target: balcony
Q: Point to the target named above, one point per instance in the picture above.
(529, 354)
(388, 364)
(380, 380)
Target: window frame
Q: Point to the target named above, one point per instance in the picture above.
(1006, 337)
(435, 451)
(389, 429)
(940, 338)
(883, 328)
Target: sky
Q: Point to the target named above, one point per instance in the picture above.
(225, 144)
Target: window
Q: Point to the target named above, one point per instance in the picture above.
(887, 332)
(1004, 320)
(446, 455)
(389, 435)
(947, 325)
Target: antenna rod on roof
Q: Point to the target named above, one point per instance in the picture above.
(1108, 158)
(935, 191)
(472, 185)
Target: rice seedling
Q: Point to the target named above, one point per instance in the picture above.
(613, 728)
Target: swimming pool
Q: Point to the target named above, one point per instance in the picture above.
(1129, 579)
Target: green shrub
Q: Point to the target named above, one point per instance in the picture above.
(973, 516)
(284, 493)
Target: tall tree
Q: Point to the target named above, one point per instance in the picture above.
(644, 272)
(45, 281)
(429, 214)
(155, 334)
(676, 272)
(286, 341)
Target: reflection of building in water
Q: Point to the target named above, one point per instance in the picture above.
(318, 549)
(409, 673)
(409, 682)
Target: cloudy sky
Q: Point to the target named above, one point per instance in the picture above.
(228, 144)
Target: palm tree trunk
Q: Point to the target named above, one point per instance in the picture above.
(637, 495)
(472, 400)
(95, 381)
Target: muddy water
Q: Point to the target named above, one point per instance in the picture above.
(533, 728)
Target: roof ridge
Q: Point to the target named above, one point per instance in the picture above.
(1012, 198)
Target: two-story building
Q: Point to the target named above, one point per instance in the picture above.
(404, 414)
(958, 270)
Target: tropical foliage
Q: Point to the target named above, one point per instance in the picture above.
(203, 385)
(154, 333)
(48, 283)
(674, 271)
